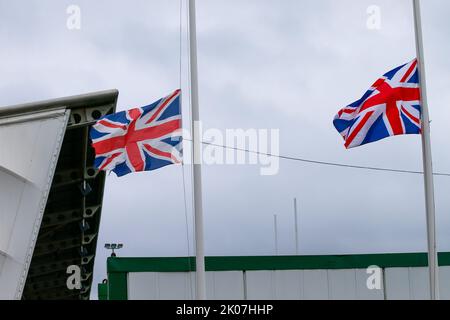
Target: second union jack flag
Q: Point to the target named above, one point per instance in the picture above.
(390, 107)
(140, 139)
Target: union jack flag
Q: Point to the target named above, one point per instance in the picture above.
(390, 107)
(140, 139)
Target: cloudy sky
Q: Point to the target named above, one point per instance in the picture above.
(263, 64)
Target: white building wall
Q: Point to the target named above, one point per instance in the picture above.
(181, 286)
(315, 285)
(228, 285)
(413, 283)
(444, 280)
(310, 285)
(349, 284)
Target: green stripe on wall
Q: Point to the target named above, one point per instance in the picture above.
(125, 265)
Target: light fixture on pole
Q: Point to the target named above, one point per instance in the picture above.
(112, 247)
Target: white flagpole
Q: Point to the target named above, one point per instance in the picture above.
(197, 183)
(427, 159)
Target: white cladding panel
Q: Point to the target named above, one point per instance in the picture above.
(227, 285)
(444, 280)
(143, 286)
(289, 285)
(315, 285)
(419, 282)
(173, 286)
(397, 283)
(2, 260)
(342, 284)
(160, 286)
(348, 284)
(401, 284)
(362, 291)
(29, 152)
(407, 284)
(260, 285)
(351, 284)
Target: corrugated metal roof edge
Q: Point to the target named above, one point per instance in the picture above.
(71, 102)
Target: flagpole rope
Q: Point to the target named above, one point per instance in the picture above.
(323, 163)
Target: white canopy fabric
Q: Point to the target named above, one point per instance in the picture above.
(29, 150)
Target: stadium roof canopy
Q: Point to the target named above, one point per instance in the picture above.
(66, 232)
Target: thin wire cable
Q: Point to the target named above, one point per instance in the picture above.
(323, 163)
(181, 45)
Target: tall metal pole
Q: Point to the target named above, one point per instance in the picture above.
(296, 227)
(197, 183)
(427, 159)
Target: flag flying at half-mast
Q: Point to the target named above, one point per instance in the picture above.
(396, 105)
(140, 139)
(390, 107)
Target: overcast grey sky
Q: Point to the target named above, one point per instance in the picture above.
(288, 65)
